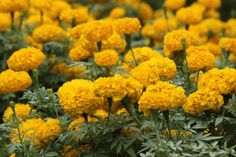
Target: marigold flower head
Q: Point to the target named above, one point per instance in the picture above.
(162, 26)
(229, 44)
(77, 97)
(37, 20)
(202, 100)
(148, 31)
(145, 11)
(212, 13)
(5, 22)
(80, 15)
(141, 54)
(213, 25)
(211, 4)
(173, 40)
(22, 111)
(26, 59)
(78, 53)
(101, 114)
(127, 25)
(114, 42)
(214, 48)
(189, 15)
(13, 5)
(76, 124)
(174, 4)
(47, 32)
(106, 58)
(117, 13)
(230, 29)
(134, 89)
(114, 87)
(37, 131)
(41, 5)
(223, 81)
(57, 7)
(11, 81)
(151, 71)
(161, 96)
(199, 57)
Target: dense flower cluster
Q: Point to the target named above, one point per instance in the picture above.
(37, 131)
(229, 44)
(26, 59)
(11, 81)
(21, 110)
(161, 96)
(13, 5)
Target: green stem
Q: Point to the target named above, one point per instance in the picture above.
(225, 56)
(130, 108)
(41, 17)
(167, 120)
(154, 114)
(51, 99)
(36, 85)
(185, 64)
(109, 100)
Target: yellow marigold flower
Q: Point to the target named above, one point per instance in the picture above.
(106, 58)
(47, 32)
(114, 87)
(213, 25)
(173, 41)
(37, 20)
(145, 11)
(148, 31)
(199, 29)
(211, 4)
(161, 96)
(31, 42)
(141, 54)
(127, 25)
(134, 88)
(77, 31)
(13, 155)
(41, 5)
(11, 81)
(57, 7)
(174, 4)
(117, 13)
(223, 81)
(212, 13)
(98, 30)
(5, 22)
(189, 15)
(162, 26)
(114, 42)
(80, 15)
(214, 48)
(78, 53)
(26, 59)
(37, 131)
(13, 5)
(203, 100)
(22, 111)
(230, 29)
(229, 44)
(199, 57)
(151, 71)
(77, 97)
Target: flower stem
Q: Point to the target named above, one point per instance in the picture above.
(109, 100)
